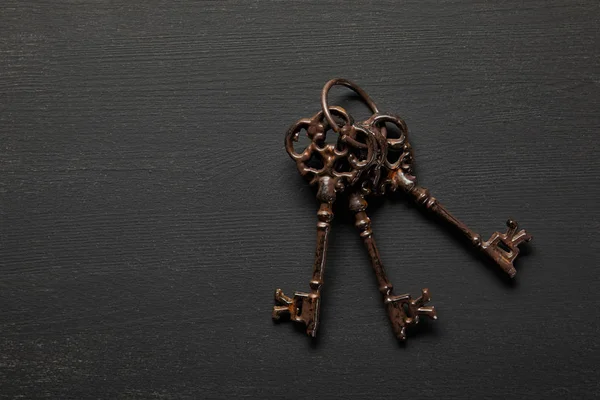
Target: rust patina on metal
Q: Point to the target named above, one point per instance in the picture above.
(368, 160)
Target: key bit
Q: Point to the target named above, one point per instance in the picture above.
(404, 311)
(302, 308)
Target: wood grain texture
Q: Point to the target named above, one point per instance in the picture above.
(148, 209)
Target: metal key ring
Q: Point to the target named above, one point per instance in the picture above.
(350, 85)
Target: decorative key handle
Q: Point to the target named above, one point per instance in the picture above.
(332, 167)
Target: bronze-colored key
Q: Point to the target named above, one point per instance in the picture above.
(304, 307)
(403, 310)
(332, 167)
(502, 248)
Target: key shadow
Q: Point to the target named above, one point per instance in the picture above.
(300, 329)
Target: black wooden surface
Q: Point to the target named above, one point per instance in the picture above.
(148, 209)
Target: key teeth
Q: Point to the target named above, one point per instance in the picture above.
(429, 311)
(521, 236)
(425, 296)
(281, 298)
(282, 306)
(516, 238)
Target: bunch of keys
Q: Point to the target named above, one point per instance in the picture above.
(366, 160)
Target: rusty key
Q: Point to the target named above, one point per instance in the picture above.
(403, 311)
(502, 248)
(332, 167)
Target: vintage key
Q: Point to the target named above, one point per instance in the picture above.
(304, 307)
(502, 248)
(336, 166)
(403, 311)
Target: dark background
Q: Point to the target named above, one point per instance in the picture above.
(148, 208)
